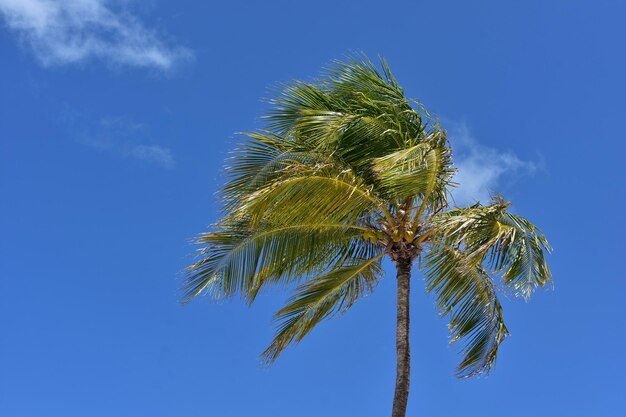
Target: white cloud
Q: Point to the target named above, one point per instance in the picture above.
(482, 169)
(72, 31)
(125, 138)
(153, 153)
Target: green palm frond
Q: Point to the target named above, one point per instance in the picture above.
(508, 243)
(521, 259)
(468, 296)
(292, 99)
(357, 81)
(357, 113)
(347, 134)
(332, 293)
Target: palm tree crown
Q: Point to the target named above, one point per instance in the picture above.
(348, 171)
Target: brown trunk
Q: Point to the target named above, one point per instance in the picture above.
(403, 352)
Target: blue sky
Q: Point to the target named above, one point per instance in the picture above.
(115, 117)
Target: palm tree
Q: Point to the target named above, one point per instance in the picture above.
(348, 172)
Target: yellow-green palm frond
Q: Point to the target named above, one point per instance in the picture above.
(312, 193)
(468, 297)
(322, 297)
(423, 170)
(292, 214)
(238, 259)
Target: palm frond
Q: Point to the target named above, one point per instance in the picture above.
(309, 194)
(355, 112)
(292, 99)
(259, 160)
(508, 243)
(359, 75)
(521, 259)
(424, 169)
(239, 259)
(332, 293)
(468, 296)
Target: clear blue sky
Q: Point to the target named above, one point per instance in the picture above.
(112, 137)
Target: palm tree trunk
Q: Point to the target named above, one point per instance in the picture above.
(403, 352)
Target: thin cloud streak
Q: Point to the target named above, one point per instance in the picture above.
(62, 32)
(482, 169)
(124, 138)
(153, 153)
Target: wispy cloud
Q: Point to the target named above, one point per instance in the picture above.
(73, 31)
(482, 169)
(125, 138)
(153, 153)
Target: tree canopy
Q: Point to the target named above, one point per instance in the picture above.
(347, 171)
